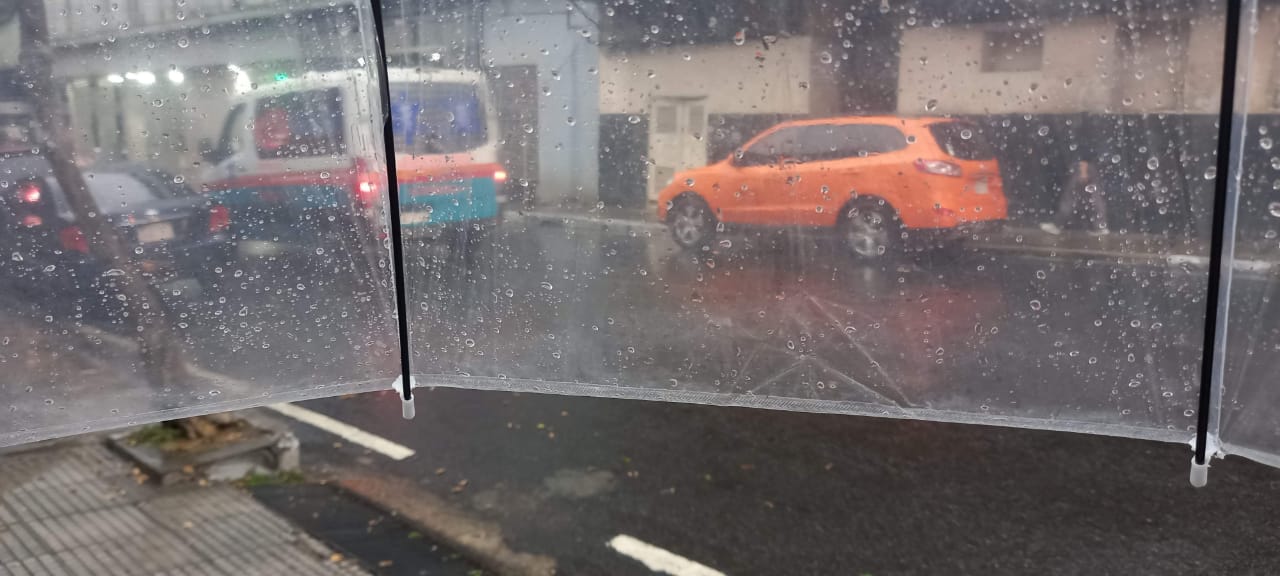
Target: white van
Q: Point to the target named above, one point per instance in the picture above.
(296, 159)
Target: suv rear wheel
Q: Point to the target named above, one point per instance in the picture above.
(692, 225)
(869, 231)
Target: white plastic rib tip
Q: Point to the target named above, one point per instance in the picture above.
(1199, 473)
(407, 409)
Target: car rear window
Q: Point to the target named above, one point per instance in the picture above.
(962, 140)
(118, 193)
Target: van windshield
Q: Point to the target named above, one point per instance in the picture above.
(437, 118)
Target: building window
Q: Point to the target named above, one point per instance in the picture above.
(1012, 51)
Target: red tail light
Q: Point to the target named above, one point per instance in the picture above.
(366, 185)
(30, 193)
(73, 240)
(939, 167)
(219, 219)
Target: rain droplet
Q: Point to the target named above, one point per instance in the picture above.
(633, 119)
(17, 257)
(824, 57)
(546, 286)
(1153, 163)
(931, 105)
(1035, 304)
(1210, 173)
(1265, 143)
(183, 42)
(966, 134)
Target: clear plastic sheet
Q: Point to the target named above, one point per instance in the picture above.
(174, 245)
(986, 212)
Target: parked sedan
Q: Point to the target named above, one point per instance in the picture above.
(169, 232)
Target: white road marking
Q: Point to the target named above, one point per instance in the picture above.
(659, 560)
(345, 431)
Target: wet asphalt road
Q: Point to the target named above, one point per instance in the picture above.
(749, 491)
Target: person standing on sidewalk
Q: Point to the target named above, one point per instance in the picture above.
(1081, 187)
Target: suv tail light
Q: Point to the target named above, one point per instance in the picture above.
(219, 219)
(73, 239)
(30, 193)
(30, 204)
(939, 167)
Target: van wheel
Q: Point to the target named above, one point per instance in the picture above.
(691, 223)
(869, 231)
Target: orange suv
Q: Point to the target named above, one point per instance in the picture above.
(881, 183)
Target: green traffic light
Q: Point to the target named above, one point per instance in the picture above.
(281, 76)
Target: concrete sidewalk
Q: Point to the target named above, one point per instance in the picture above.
(74, 507)
(1166, 249)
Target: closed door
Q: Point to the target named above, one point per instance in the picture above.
(676, 140)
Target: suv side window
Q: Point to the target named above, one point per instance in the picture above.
(299, 124)
(826, 142)
(785, 142)
(862, 140)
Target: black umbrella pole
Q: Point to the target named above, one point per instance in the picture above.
(404, 384)
(1220, 249)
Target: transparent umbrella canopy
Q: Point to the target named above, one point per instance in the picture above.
(1024, 214)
